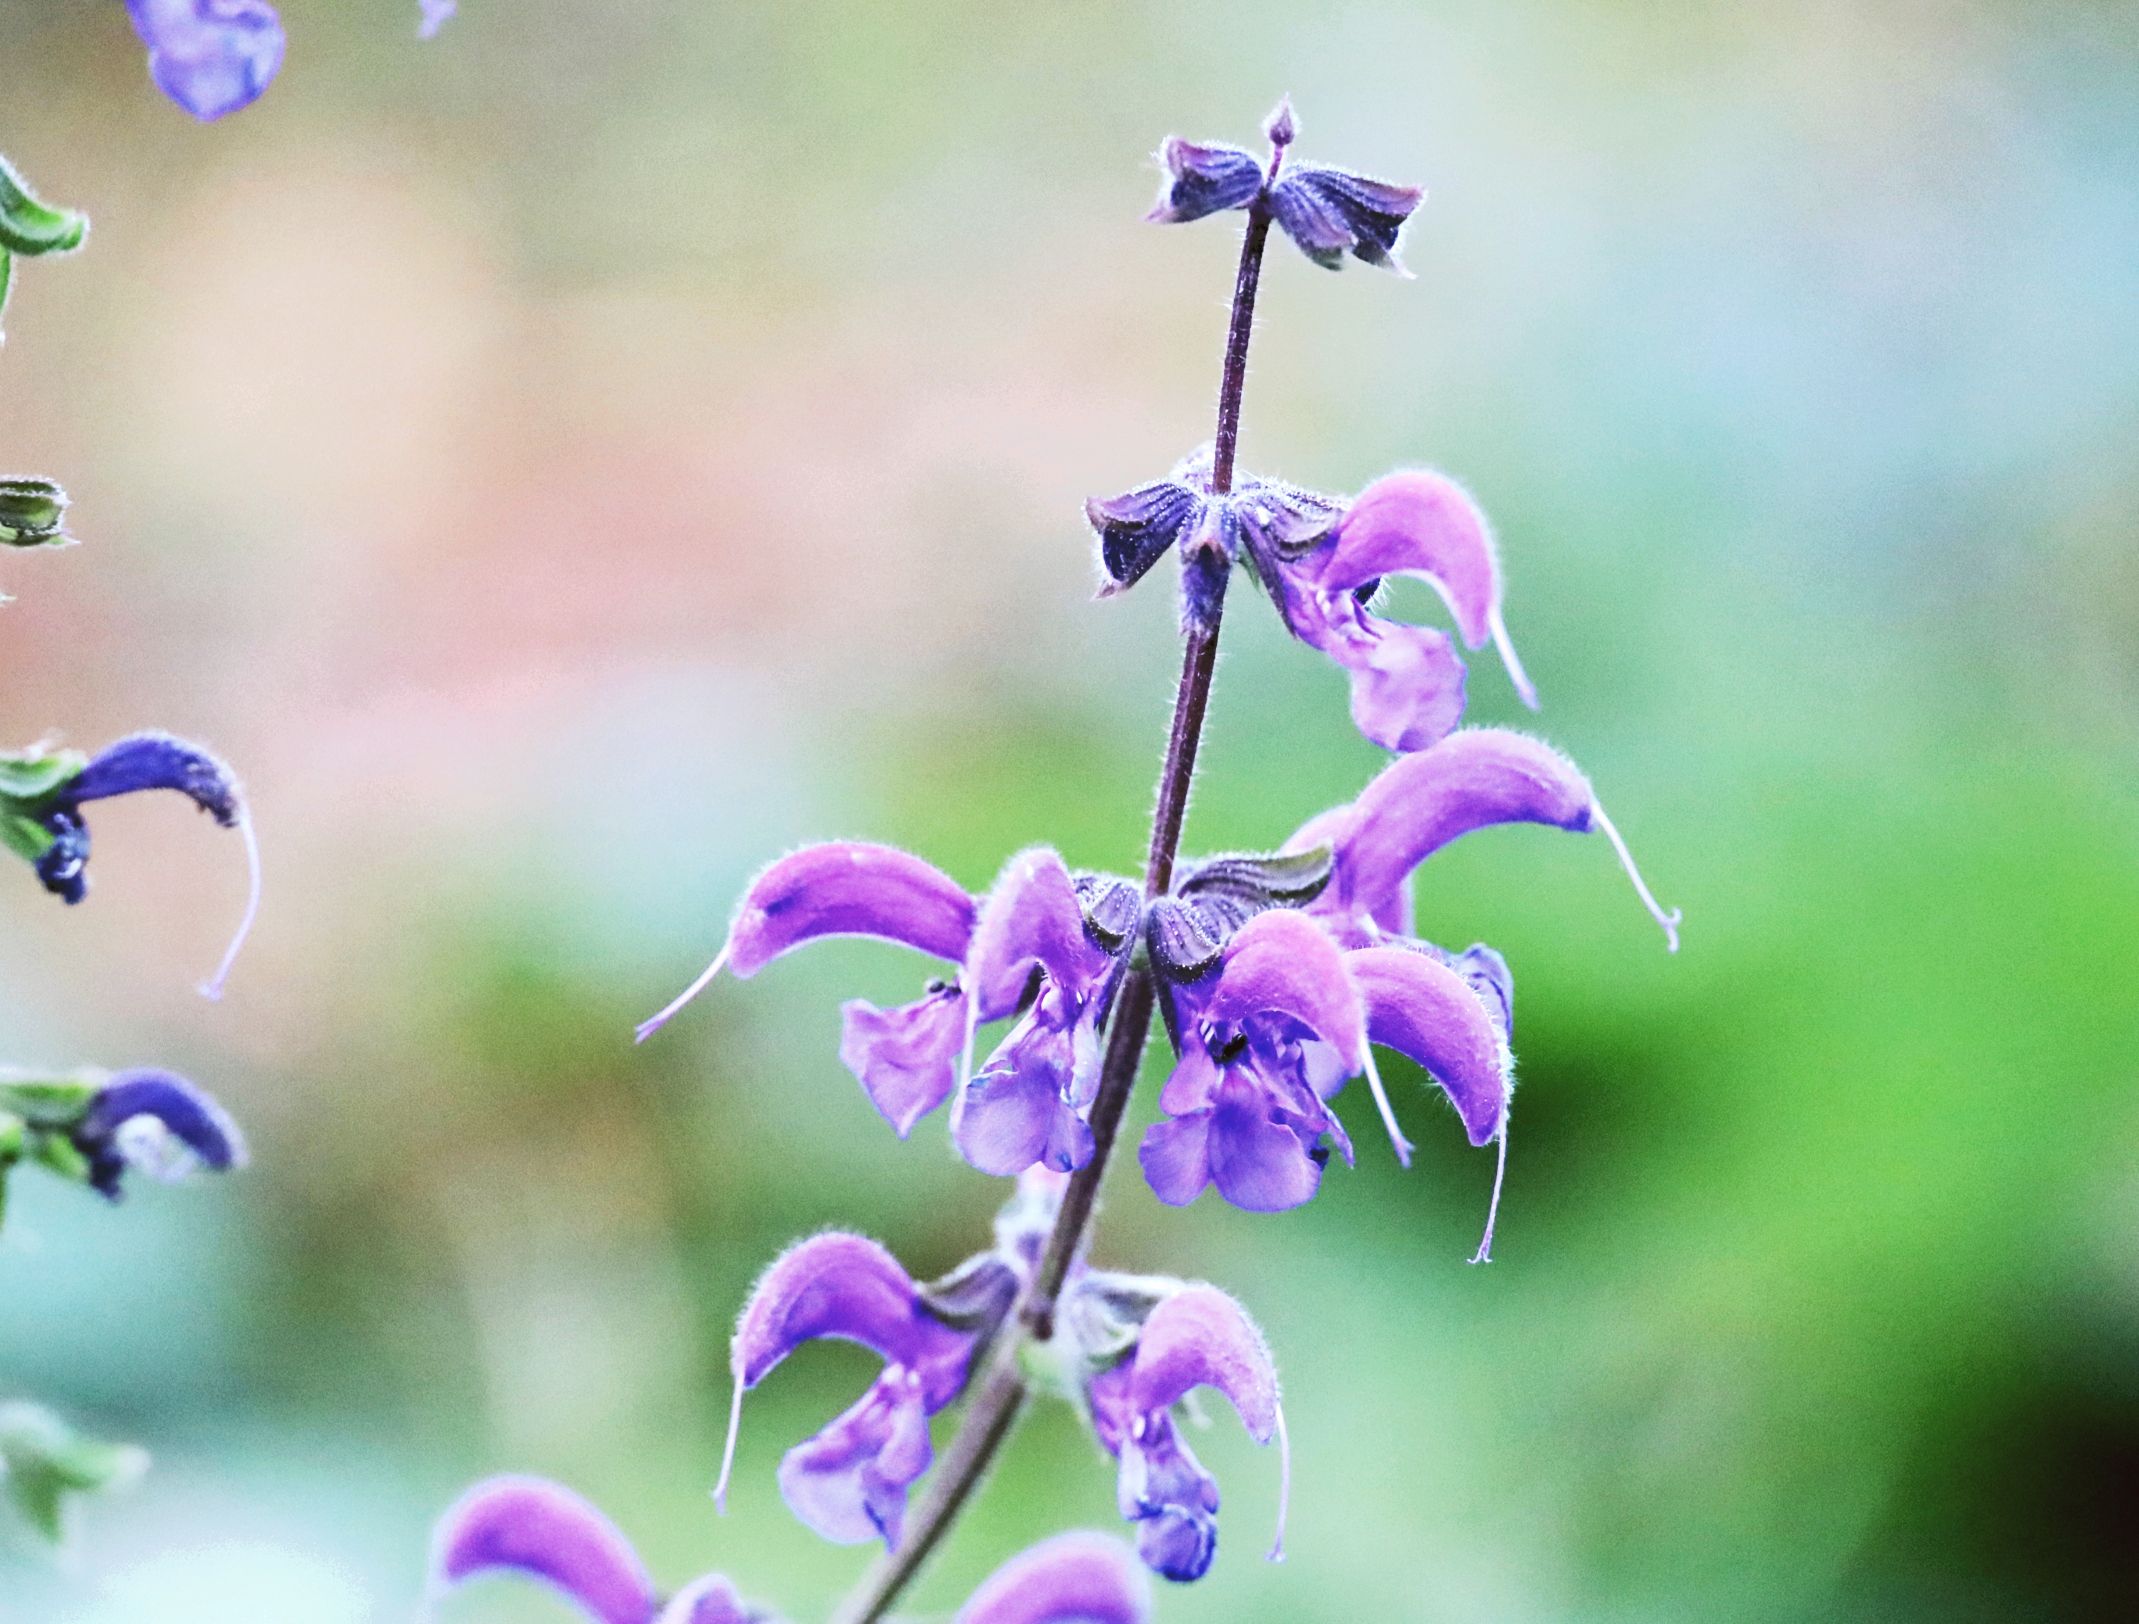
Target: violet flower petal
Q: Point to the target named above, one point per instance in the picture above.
(1425, 524)
(1074, 1578)
(848, 1482)
(212, 57)
(906, 1059)
(543, 1530)
(1258, 1163)
(840, 888)
(711, 1600)
(156, 1122)
(1200, 1337)
(1282, 963)
(1423, 1009)
(1407, 681)
(836, 1285)
(1017, 1117)
(1031, 916)
(1176, 1157)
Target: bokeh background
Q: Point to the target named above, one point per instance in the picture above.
(570, 462)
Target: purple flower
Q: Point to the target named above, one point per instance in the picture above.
(157, 1124)
(543, 1531)
(210, 56)
(142, 761)
(1279, 1028)
(1043, 944)
(1195, 1337)
(849, 1481)
(1074, 1578)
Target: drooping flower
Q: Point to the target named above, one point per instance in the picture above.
(97, 1128)
(543, 1531)
(1276, 1029)
(42, 793)
(1043, 944)
(1196, 1336)
(212, 57)
(1320, 559)
(849, 1481)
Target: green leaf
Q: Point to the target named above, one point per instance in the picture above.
(43, 1462)
(45, 1102)
(23, 835)
(28, 226)
(33, 513)
(30, 776)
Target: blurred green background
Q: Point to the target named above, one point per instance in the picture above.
(566, 464)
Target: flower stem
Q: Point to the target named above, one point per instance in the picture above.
(994, 1409)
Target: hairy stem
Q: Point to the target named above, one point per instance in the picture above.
(995, 1407)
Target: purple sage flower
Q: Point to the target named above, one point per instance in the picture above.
(157, 1124)
(139, 762)
(543, 1531)
(848, 1482)
(1195, 1337)
(1043, 944)
(212, 57)
(1074, 1578)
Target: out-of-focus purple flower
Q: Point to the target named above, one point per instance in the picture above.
(1196, 1337)
(849, 1481)
(157, 1124)
(436, 13)
(543, 1531)
(1203, 178)
(212, 57)
(1074, 1578)
(144, 761)
(1330, 213)
(1043, 944)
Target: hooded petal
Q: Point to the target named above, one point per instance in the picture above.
(1425, 524)
(848, 1483)
(1032, 917)
(1200, 1337)
(143, 761)
(839, 1285)
(1281, 963)
(1471, 780)
(158, 1123)
(530, 1526)
(849, 888)
(1428, 1011)
(907, 1058)
(1203, 178)
(1075, 1578)
(210, 56)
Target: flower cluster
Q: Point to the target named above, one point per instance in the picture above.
(213, 57)
(1277, 975)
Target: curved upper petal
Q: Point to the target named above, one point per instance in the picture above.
(849, 888)
(1472, 779)
(1074, 1578)
(1200, 1337)
(1428, 1011)
(531, 1526)
(1419, 523)
(1030, 916)
(838, 1285)
(143, 761)
(1283, 963)
(711, 1600)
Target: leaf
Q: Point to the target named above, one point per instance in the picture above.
(29, 226)
(33, 513)
(33, 775)
(23, 835)
(43, 1462)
